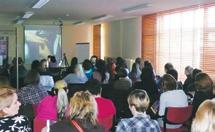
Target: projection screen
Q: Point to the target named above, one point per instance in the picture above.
(41, 41)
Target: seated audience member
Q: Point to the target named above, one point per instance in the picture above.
(111, 68)
(174, 73)
(53, 62)
(133, 75)
(46, 80)
(82, 115)
(32, 93)
(168, 66)
(204, 90)
(100, 72)
(54, 104)
(73, 63)
(35, 65)
(191, 88)
(88, 68)
(123, 82)
(10, 120)
(171, 97)
(21, 72)
(138, 101)
(106, 108)
(93, 60)
(148, 84)
(76, 75)
(121, 64)
(204, 120)
(188, 72)
(139, 65)
(43, 70)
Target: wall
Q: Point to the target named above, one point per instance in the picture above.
(76, 34)
(71, 34)
(123, 38)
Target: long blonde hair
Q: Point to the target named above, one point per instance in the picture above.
(204, 120)
(83, 106)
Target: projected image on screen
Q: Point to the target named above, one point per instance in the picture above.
(41, 41)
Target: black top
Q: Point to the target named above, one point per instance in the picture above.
(66, 126)
(17, 123)
(200, 97)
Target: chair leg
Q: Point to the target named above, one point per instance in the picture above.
(164, 126)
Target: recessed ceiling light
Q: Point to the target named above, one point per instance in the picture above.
(78, 23)
(101, 17)
(136, 7)
(28, 14)
(40, 3)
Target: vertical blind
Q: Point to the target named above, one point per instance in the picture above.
(97, 40)
(149, 38)
(186, 37)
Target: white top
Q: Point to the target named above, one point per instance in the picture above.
(173, 98)
(47, 82)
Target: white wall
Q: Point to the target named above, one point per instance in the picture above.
(71, 34)
(123, 38)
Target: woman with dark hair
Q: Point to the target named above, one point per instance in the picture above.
(148, 83)
(32, 93)
(53, 62)
(100, 73)
(133, 74)
(87, 65)
(74, 61)
(204, 90)
(111, 68)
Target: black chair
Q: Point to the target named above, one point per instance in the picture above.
(73, 88)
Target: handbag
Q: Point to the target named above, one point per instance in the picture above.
(77, 126)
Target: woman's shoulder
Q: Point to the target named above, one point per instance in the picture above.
(15, 123)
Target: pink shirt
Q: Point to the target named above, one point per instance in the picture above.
(47, 108)
(106, 111)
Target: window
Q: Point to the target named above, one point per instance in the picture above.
(186, 37)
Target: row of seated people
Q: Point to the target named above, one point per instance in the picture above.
(148, 84)
(82, 112)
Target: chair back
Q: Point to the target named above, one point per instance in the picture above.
(178, 115)
(73, 88)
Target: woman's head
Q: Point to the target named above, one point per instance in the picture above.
(9, 104)
(168, 66)
(188, 70)
(147, 75)
(204, 120)
(168, 82)
(134, 68)
(83, 106)
(62, 99)
(74, 61)
(203, 82)
(32, 77)
(138, 99)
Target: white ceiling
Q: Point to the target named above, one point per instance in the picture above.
(85, 10)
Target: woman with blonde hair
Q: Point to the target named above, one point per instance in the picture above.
(10, 120)
(204, 120)
(82, 115)
(53, 107)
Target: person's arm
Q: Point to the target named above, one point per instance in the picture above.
(162, 105)
(120, 127)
